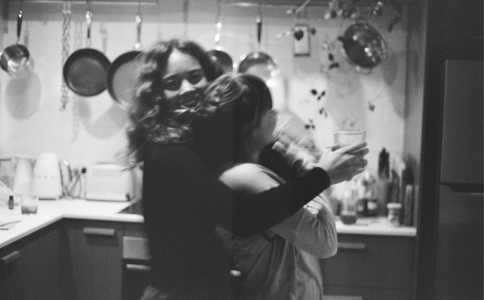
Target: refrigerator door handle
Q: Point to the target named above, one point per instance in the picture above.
(465, 188)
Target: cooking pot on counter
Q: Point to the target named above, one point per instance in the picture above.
(363, 46)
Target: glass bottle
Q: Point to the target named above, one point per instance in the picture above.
(348, 213)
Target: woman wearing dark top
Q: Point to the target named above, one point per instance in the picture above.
(174, 135)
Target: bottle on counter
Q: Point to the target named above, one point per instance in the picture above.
(369, 205)
(10, 202)
(349, 204)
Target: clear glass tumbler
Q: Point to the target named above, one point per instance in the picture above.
(29, 204)
(345, 137)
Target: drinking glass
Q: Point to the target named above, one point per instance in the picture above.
(29, 204)
(345, 137)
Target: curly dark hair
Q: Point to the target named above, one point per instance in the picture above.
(151, 120)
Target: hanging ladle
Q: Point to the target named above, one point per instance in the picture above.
(15, 59)
(218, 55)
(259, 63)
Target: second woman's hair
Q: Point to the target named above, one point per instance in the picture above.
(245, 98)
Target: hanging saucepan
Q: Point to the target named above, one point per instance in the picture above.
(15, 59)
(259, 63)
(122, 72)
(363, 46)
(85, 70)
(218, 55)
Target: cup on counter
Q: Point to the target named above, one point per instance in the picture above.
(345, 137)
(29, 204)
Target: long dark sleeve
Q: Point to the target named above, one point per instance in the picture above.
(254, 213)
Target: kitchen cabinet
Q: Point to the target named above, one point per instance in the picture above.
(91, 260)
(29, 268)
(136, 261)
(370, 267)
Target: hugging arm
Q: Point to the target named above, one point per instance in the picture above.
(184, 180)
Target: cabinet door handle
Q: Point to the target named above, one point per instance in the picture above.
(134, 267)
(99, 231)
(10, 257)
(352, 246)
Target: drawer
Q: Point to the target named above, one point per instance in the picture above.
(136, 248)
(371, 261)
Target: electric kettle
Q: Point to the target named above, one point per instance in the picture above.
(47, 178)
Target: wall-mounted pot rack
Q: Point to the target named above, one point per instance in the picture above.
(19, 3)
(114, 2)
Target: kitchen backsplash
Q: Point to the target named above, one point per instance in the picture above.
(92, 128)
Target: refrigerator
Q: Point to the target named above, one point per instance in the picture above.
(459, 251)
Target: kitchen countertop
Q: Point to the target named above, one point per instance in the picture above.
(50, 211)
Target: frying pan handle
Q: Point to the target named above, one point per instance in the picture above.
(89, 16)
(259, 24)
(137, 46)
(20, 17)
(218, 25)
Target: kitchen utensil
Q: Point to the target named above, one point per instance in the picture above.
(66, 48)
(15, 59)
(122, 73)
(218, 55)
(109, 182)
(259, 63)
(85, 70)
(47, 178)
(23, 173)
(363, 46)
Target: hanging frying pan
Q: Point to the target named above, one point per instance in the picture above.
(259, 63)
(121, 78)
(15, 59)
(218, 55)
(85, 70)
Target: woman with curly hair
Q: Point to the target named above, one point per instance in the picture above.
(175, 136)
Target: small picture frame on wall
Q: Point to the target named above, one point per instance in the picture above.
(301, 41)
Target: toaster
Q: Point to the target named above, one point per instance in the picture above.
(109, 182)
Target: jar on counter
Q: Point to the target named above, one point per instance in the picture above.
(394, 212)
